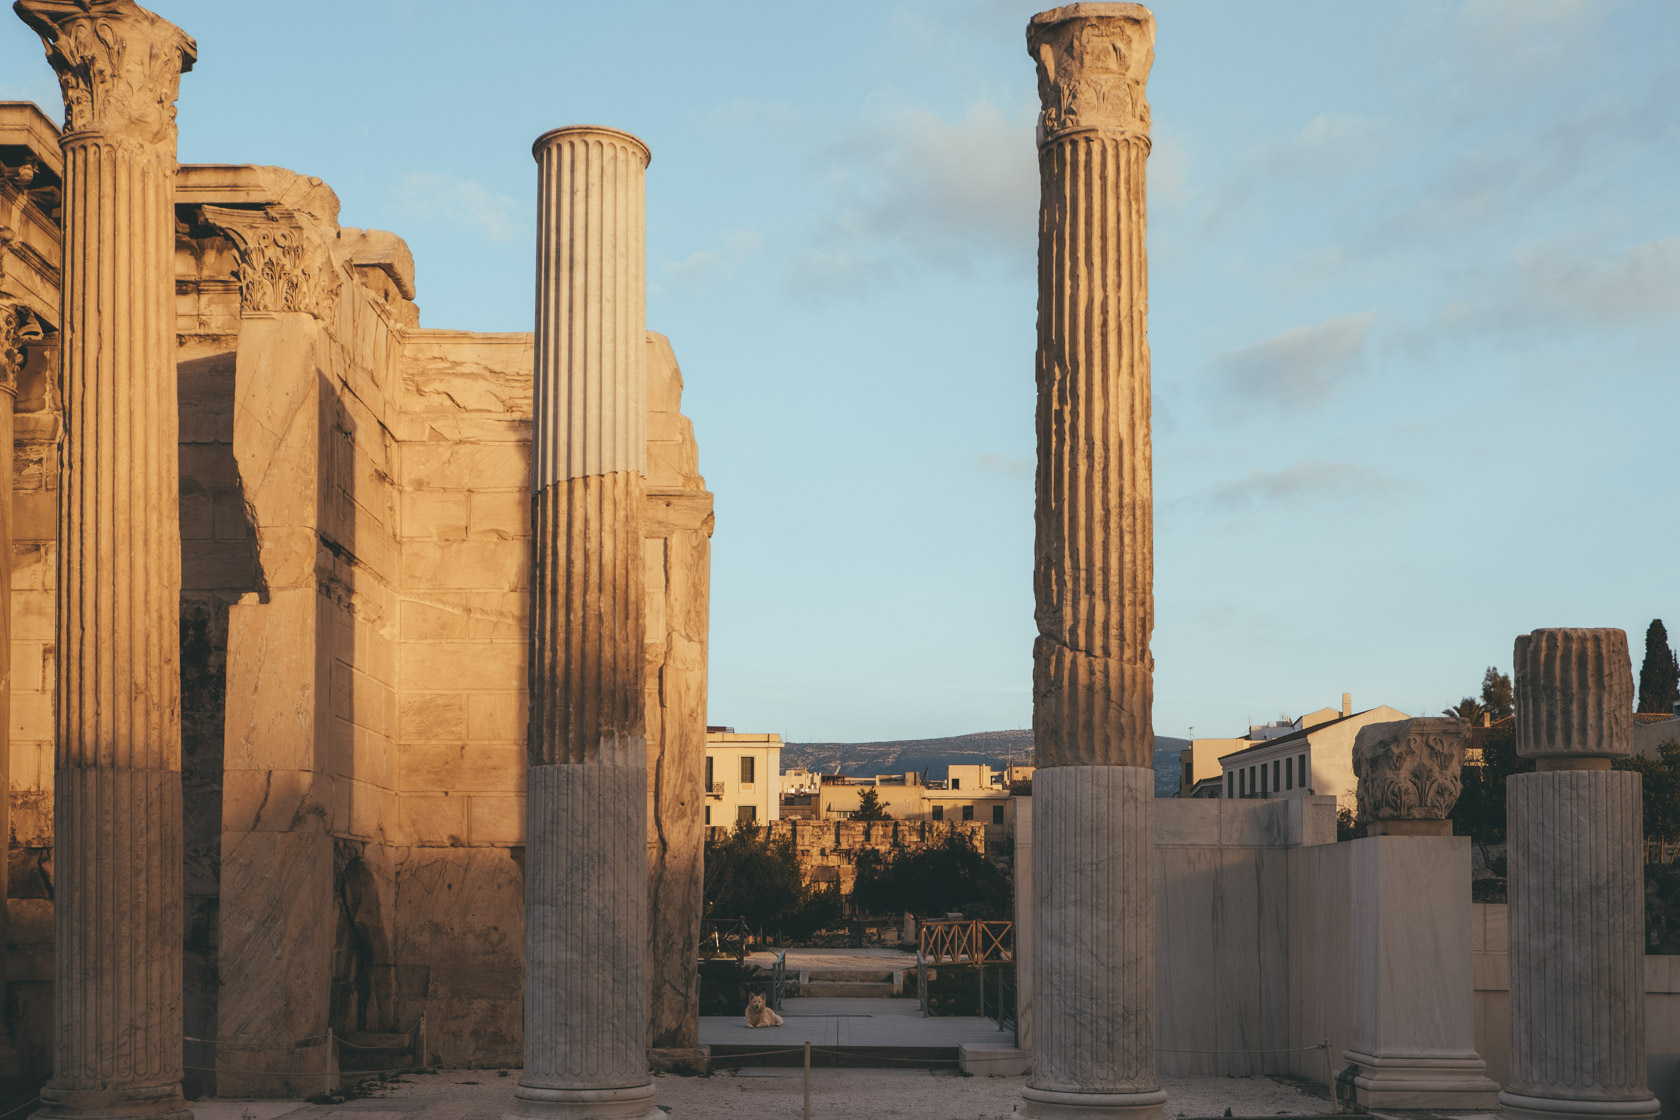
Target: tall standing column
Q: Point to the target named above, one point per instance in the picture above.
(117, 774)
(586, 989)
(1577, 867)
(1094, 846)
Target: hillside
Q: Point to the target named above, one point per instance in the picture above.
(900, 756)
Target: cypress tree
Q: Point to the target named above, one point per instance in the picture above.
(1659, 676)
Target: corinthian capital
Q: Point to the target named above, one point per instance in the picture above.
(1093, 61)
(284, 264)
(119, 66)
(18, 328)
(1410, 769)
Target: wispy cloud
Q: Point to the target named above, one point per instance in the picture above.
(706, 266)
(1309, 481)
(431, 196)
(1298, 368)
(914, 189)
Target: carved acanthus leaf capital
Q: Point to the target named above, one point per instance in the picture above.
(1093, 63)
(119, 66)
(18, 329)
(284, 264)
(1410, 769)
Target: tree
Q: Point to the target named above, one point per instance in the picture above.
(944, 877)
(1480, 812)
(1659, 676)
(1661, 780)
(869, 807)
(752, 877)
(1467, 709)
(1496, 693)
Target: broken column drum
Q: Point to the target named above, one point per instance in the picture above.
(586, 989)
(1577, 883)
(117, 771)
(1094, 962)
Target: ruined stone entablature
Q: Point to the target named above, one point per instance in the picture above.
(284, 265)
(1574, 692)
(1409, 770)
(119, 66)
(1093, 61)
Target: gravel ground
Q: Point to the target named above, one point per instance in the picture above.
(772, 1094)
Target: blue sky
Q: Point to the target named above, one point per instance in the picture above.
(1415, 315)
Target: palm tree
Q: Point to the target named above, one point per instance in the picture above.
(1468, 709)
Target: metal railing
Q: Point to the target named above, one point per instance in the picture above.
(728, 937)
(715, 789)
(974, 942)
(778, 980)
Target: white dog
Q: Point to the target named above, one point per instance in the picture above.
(758, 1015)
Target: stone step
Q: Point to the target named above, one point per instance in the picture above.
(871, 976)
(841, 989)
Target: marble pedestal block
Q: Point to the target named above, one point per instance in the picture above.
(1414, 1015)
(1094, 958)
(1577, 946)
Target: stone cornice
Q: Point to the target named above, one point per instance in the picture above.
(119, 66)
(284, 264)
(1093, 61)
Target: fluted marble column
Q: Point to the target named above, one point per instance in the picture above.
(1094, 964)
(1577, 884)
(586, 989)
(117, 774)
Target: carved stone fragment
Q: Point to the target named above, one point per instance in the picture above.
(1574, 690)
(1409, 769)
(283, 263)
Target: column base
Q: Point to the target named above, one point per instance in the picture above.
(680, 1059)
(632, 1103)
(1053, 1104)
(1433, 1083)
(147, 1102)
(1557, 1108)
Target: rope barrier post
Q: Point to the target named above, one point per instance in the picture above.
(807, 1081)
(328, 1088)
(1330, 1067)
(424, 1060)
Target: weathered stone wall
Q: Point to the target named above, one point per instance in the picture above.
(828, 850)
(463, 475)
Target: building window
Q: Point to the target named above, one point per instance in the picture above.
(709, 783)
(1277, 772)
(1230, 784)
(1242, 784)
(746, 814)
(708, 813)
(747, 770)
(1301, 768)
(956, 783)
(1252, 787)
(997, 814)
(1288, 774)
(968, 812)
(939, 812)
(1189, 776)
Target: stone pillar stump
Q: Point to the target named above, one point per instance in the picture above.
(1577, 881)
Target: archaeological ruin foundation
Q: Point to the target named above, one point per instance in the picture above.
(357, 675)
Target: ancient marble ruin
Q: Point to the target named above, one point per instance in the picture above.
(355, 674)
(1093, 571)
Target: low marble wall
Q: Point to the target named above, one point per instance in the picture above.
(1490, 960)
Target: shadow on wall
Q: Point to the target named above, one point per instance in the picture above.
(219, 564)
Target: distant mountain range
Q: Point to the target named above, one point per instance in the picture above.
(902, 756)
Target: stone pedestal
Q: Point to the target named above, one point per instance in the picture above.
(586, 985)
(1413, 999)
(1577, 914)
(1093, 969)
(117, 774)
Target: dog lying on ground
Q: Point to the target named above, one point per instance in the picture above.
(758, 1015)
